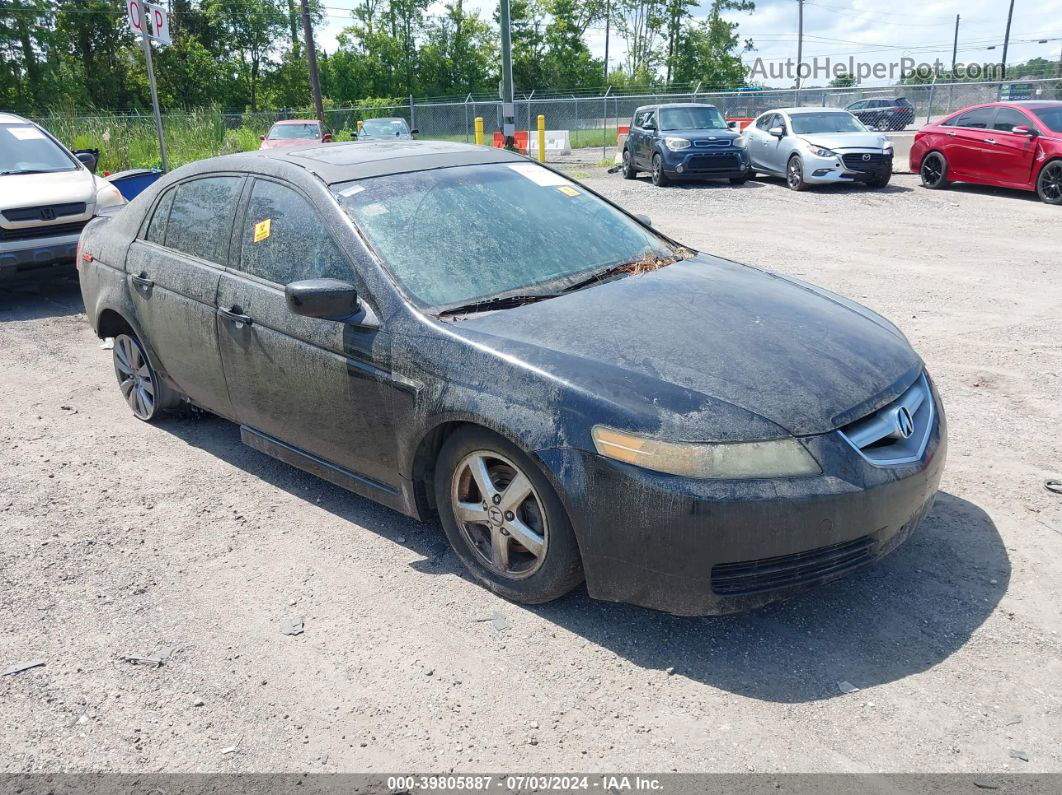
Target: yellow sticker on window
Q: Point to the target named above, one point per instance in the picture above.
(261, 230)
(568, 191)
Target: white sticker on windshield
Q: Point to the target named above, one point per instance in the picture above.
(371, 210)
(26, 133)
(538, 175)
(346, 193)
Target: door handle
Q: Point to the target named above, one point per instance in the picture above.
(236, 315)
(142, 281)
(952, 134)
(990, 140)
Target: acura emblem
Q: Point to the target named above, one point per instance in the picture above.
(866, 158)
(904, 422)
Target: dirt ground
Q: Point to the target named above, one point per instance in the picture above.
(120, 537)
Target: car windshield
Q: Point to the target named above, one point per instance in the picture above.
(385, 127)
(24, 148)
(696, 118)
(454, 236)
(290, 132)
(826, 122)
(1051, 117)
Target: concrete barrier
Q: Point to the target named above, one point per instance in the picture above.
(901, 150)
(557, 143)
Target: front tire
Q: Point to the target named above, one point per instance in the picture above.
(934, 171)
(659, 177)
(739, 180)
(147, 395)
(1049, 183)
(879, 182)
(629, 171)
(794, 174)
(504, 519)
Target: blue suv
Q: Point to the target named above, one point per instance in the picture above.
(684, 141)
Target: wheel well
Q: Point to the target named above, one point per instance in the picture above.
(1047, 163)
(424, 465)
(111, 324)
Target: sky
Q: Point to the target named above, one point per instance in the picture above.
(918, 29)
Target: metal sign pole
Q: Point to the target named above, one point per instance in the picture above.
(151, 83)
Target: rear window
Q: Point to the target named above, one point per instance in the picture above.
(978, 119)
(26, 149)
(200, 220)
(295, 132)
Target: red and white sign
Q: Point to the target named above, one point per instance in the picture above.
(158, 23)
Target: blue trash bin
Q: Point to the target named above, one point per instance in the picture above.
(133, 182)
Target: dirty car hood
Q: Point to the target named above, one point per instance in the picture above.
(59, 187)
(800, 357)
(852, 140)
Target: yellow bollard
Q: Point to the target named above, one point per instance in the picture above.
(359, 126)
(479, 131)
(541, 138)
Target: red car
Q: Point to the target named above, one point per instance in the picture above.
(1007, 144)
(294, 132)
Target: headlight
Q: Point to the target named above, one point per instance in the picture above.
(821, 152)
(108, 196)
(773, 459)
(675, 144)
(741, 142)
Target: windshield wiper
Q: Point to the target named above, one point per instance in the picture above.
(25, 171)
(501, 302)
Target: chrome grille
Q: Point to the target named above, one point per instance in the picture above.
(897, 433)
(724, 142)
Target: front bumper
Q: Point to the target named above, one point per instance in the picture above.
(705, 547)
(833, 170)
(37, 259)
(706, 162)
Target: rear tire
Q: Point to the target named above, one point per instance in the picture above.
(934, 171)
(739, 180)
(148, 395)
(660, 179)
(629, 171)
(504, 519)
(1049, 183)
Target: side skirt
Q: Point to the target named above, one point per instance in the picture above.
(399, 499)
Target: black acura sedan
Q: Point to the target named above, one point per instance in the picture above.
(456, 331)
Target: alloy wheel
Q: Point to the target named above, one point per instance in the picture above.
(1050, 183)
(794, 174)
(135, 378)
(500, 514)
(932, 171)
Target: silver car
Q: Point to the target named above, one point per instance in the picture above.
(388, 129)
(818, 146)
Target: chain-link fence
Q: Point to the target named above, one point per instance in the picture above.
(590, 121)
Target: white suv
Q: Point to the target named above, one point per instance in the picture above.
(47, 195)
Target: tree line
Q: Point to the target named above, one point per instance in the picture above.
(80, 55)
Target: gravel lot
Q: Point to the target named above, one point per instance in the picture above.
(119, 537)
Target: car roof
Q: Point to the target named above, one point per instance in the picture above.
(385, 118)
(296, 121)
(675, 105)
(342, 162)
(11, 118)
(798, 111)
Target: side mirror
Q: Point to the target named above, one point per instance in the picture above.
(330, 299)
(87, 158)
(414, 131)
(644, 220)
(261, 137)
(651, 126)
(777, 132)
(327, 138)
(733, 125)
(1022, 129)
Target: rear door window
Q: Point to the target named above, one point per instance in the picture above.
(284, 240)
(977, 119)
(200, 221)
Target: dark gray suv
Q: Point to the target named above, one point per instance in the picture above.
(684, 141)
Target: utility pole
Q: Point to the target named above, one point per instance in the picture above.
(311, 61)
(1006, 42)
(508, 109)
(151, 83)
(800, 47)
(608, 21)
(955, 49)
